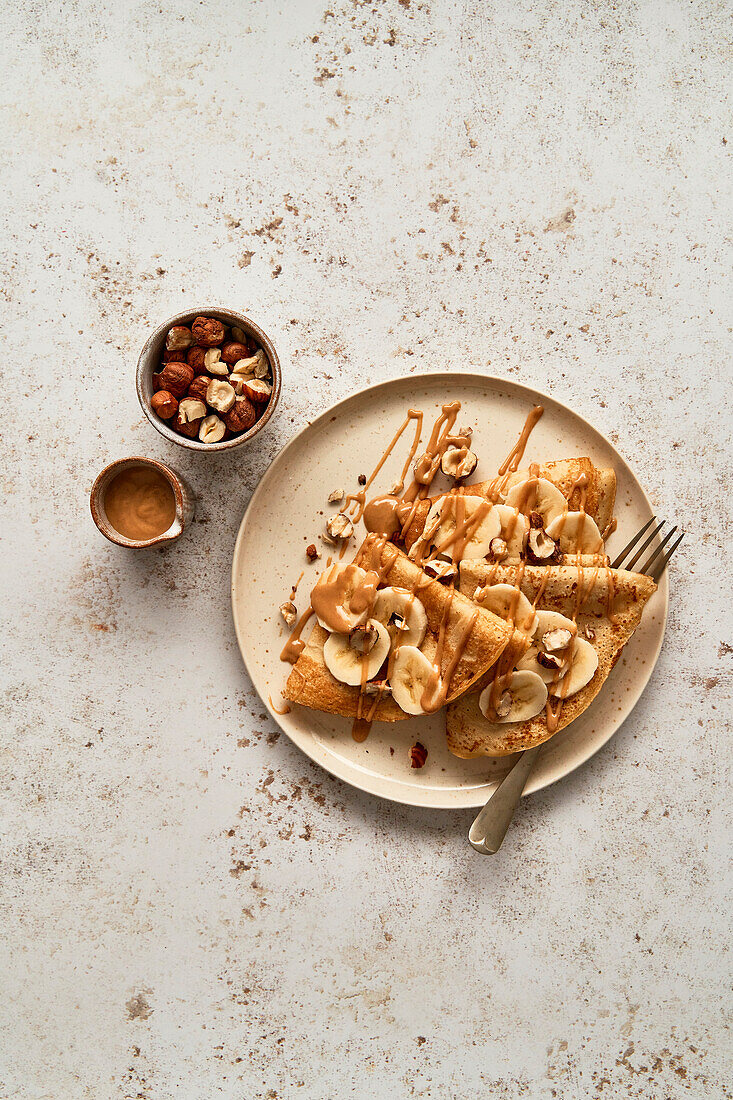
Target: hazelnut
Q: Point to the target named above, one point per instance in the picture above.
(559, 638)
(213, 363)
(195, 358)
(536, 520)
(340, 526)
(179, 337)
(377, 687)
(458, 462)
(362, 479)
(439, 570)
(540, 546)
(418, 755)
(498, 548)
(199, 387)
(220, 395)
(241, 416)
(289, 612)
(257, 390)
(549, 660)
(175, 377)
(212, 429)
(240, 336)
(363, 639)
(233, 352)
(239, 381)
(312, 552)
(336, 496)
(505, 704)
(164, 404)
(191, 409)
(261, 364)
(174, 356)
(207, 332)
(189, 428)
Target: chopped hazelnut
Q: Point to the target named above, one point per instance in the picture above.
(212, 429)
(257, 390)
(289, 613)
(220, 395)
(336, 496)
(174, 356)
(498, 549)
(458, 462)
(191, 409)
(312, 552)
(178, 337)
(418, 755)
(362, 479)
(540, 546)
(549, 660)
(559, 638)
(340, 526)
(214, 364)
(440, 570)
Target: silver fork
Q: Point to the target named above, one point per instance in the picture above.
(490, 827)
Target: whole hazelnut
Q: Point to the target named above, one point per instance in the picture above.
(207, 332)
(241, 416)
(179, 337)
(164, 404)
(199, 387)
(233, 352)
(174, 356)
(176, 378)
(195, 359)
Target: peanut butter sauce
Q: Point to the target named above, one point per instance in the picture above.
(295, 644)
(139, 503)
(339, 592)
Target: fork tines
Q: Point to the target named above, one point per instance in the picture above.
(655, 565)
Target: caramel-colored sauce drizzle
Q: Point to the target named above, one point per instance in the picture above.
(285, 709)
(295, 644)
(330, 596)
(357, 501)
(510, 465)
(437, 689)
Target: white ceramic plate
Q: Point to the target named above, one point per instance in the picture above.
(288, 511)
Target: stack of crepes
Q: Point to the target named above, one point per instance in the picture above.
(498, 604)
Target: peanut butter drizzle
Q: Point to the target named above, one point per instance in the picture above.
(428, 464)
(357, 501)
(295, 644)
(510, 465)
(463, 532)
(285, 708)
(330, 596)
(435, 693)
(360, 729)
(294, 589)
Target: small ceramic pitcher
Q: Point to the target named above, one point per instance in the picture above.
(182, 493)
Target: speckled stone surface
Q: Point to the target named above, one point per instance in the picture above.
(188, 906)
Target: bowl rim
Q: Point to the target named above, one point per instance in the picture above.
(230, 317)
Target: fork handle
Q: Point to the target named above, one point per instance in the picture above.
(490, 827)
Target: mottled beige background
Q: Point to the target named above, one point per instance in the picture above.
(188, 906)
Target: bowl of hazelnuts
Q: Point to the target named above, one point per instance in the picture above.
(208, 379)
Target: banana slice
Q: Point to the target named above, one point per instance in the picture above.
(537, 495)
(442, 522)
(395, 606)
(525, 697)
(509, 603)
(358, 656)
(576, 532)
(334, 591)
(514, 528)
(548, 621)
(582, 670)
(410, 676)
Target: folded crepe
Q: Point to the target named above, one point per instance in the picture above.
(311, 684)
(610, 603)
(600, 492)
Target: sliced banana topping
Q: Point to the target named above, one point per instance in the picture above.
(514, 528)
(508, 603)
(340, 597)
(547, 657)
(411, 674)
(583, 665)
(356, 657)
(521, 699)
(448, 512)
(577, 533)
(537, 495)
(402, 614)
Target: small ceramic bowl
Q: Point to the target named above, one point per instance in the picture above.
(149, 363)
(184, 498)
